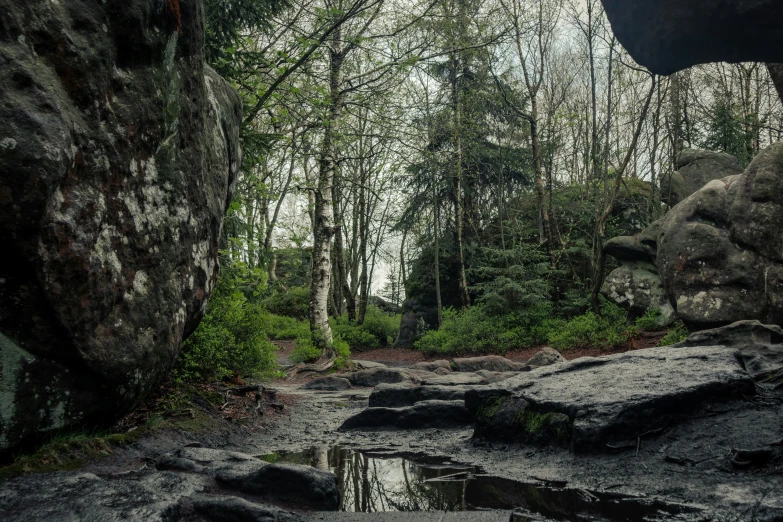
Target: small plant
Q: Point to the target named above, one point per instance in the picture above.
(305, 350)
(650, 321)
(675, 335)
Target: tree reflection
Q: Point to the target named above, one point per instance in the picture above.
(370, 484)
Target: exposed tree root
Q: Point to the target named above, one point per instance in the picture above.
(322, 365)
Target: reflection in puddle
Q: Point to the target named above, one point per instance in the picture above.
(382, 481)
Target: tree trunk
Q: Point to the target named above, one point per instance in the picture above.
(458, 210)
(324, 228)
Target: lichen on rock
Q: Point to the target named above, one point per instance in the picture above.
(118, 157)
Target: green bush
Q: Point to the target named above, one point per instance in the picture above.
(473, 330)
(282, 327)
(305, 350)
(378, 329)
(606, 331)
(476, 331)
(294, 302)
(650, 321)
(231, 338)
(675, 335)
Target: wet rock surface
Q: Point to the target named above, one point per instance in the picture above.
(615, 398)
(119, 151)
(759, 346)
(405, 394)
(329, 383)
(422, 415)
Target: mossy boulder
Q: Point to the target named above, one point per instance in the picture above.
(119, 150)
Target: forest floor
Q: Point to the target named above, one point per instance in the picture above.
(683, 474)
(407, 357)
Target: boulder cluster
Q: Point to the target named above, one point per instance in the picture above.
(717, 256)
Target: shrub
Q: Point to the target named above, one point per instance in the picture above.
(305, 350)
(605, 331)
(675, 335)
(294, 302)
(378, 329)
(650, 321)
(474, 331)
(231, 338)
(282, 327)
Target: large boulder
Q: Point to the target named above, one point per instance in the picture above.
(669, 35)
(720, 252)
(590, 402)
(696, 168)
(636, 285)
(119, 150)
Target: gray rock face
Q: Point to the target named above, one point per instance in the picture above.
(373, 377)
(760, 346)
(636, 285)
(399, 395)
(85, 497)
(422, 415)
(619, 397)
(432, 366)
(329, 383)
(493, 363)
(696, 168)
(235, 509)
(669, 35)
(412, 323)
(546, 357)
(720, 252)
(235, 471)
(119, 150)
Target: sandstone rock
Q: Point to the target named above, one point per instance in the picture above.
(235, 509)
(618, 397)
(636, 285)
(510, 419)
(83, 496)
(720, 252)
(696, 168)
(431, 366)
(760, 346)
(422, 415)
(329, 383)
(546, 357)
(493, 363)
(367, 365)
(376, 376)
(119, 151)
(405, 394)
(668, 35)
(302, 485)
(236, 471)
(413, 323)
(455, 379)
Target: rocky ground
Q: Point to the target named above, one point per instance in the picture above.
(688, 433)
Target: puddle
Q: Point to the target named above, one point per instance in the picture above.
(381, 481)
